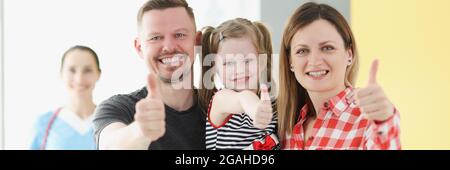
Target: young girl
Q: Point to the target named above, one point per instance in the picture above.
(70, 127)
(318, 66)
(237, 117)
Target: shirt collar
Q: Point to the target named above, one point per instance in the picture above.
(339, 103)
(82, 126)
(336, 105)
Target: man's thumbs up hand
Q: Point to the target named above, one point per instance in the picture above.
(150, 112)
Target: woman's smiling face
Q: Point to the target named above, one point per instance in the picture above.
(80, 72)
(318, 57)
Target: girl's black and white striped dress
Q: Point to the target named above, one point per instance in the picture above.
(237, 132)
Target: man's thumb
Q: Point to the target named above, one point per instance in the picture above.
(152, 86)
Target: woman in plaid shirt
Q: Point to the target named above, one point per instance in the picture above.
(318, 66)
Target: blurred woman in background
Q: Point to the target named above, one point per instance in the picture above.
(70, 127)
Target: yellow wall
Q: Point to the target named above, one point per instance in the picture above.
(412, 40)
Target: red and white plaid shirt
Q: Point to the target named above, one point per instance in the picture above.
(340, 125)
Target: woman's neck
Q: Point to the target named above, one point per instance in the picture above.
(318, 98)
(83, 106)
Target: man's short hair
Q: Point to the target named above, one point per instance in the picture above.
(164, 4)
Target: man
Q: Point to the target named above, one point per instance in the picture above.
(161, 115)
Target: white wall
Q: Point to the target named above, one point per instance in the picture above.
(37, 33)
(1, 76)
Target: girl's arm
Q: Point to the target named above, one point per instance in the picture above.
(224, 103)
(227, 102)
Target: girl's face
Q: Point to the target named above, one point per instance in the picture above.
(237, 65)
(80, 73)
(318, 57)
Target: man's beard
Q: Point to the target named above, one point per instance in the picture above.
(176, 77)
(179, 74)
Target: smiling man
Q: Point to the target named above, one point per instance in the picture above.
(160, 115)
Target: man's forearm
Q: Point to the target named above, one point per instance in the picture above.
(118, 136)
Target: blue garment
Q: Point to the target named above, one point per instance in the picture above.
(61, 135)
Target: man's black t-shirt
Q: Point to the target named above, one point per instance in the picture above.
(184, 130)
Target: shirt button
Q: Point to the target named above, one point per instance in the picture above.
(326, 105)
(311, 138)
(380, 133)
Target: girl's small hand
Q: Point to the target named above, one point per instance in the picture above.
(372, 100)
(263, 111)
